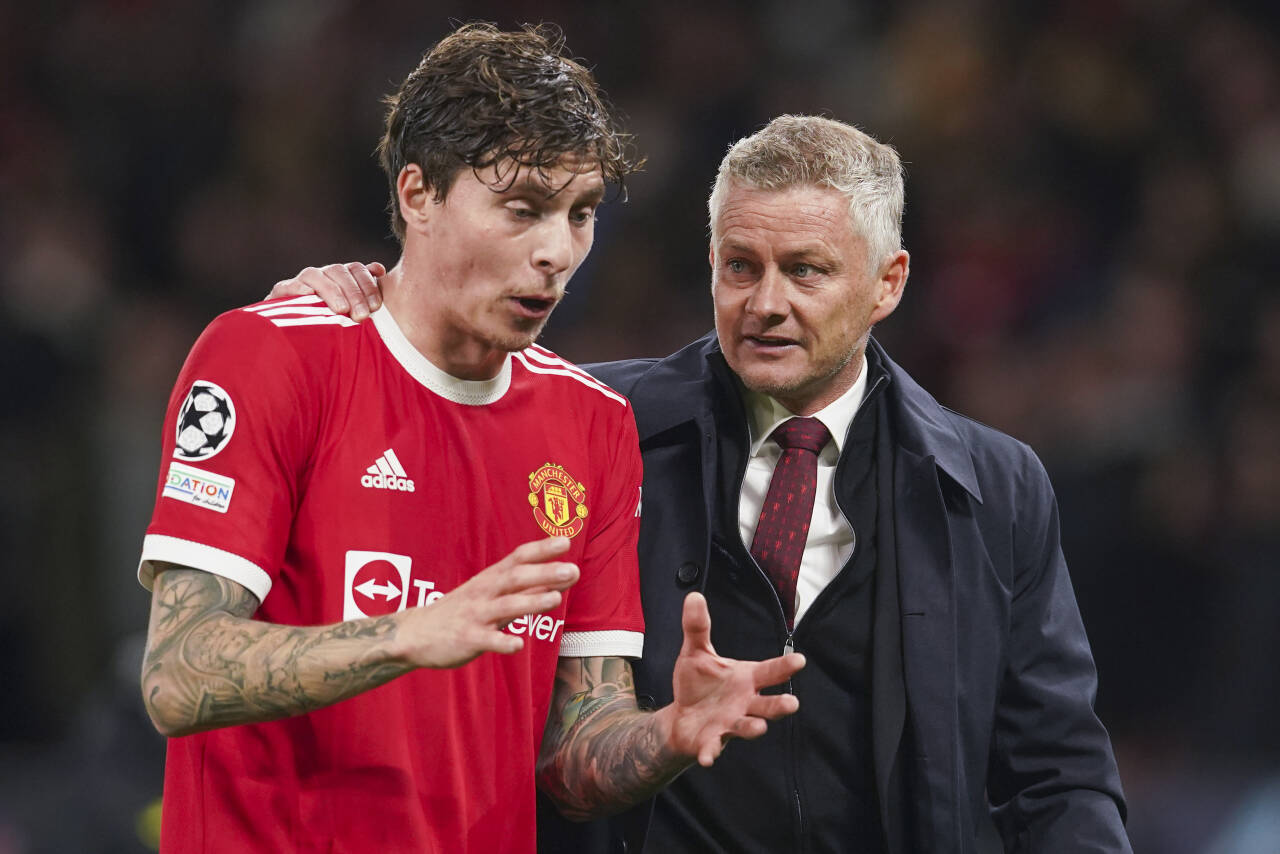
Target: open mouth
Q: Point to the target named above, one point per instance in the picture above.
(770, 342)
(534, 306)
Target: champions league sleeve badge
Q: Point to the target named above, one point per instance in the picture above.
(205, 422)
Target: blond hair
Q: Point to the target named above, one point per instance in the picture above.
(815, 151)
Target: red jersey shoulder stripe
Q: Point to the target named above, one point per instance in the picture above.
(550, 359)
(539, 361)
(546, 357)
(299, 311)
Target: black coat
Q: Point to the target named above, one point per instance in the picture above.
(991, 680)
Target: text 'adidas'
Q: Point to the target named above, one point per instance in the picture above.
(387, 473)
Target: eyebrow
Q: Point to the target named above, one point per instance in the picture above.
(814, 255)
(813, 252)
(592, 196)
(735, 246)
(534, 185)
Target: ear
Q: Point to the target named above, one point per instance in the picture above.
(890, 285)
(416, 198)
(711, 256)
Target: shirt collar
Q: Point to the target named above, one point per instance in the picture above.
(422, 369)
(764, 413)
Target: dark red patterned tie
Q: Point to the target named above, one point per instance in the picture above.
(783, 528)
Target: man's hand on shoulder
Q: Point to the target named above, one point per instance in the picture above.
(718, 698)
(350, 288)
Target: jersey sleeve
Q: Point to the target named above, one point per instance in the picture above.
(236, 440)
(604, 616)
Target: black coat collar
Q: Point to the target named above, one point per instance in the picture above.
(674, 390)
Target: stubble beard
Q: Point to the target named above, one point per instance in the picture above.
(514, 340)
(794, 392)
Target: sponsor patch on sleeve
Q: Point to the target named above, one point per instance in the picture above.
(201, 488)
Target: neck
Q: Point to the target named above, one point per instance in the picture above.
(411, 298)
(826, 392)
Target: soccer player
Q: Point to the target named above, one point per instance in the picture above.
(377, 605)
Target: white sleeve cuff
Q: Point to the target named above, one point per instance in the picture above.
(601, 644)
(157, 547)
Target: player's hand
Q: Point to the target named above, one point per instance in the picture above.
(470, 620)
(717, 698)
(350, 288)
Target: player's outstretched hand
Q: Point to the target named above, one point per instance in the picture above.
(718, 698)
(350, 288)
(470, 620)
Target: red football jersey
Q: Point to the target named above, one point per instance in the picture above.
(336, 473)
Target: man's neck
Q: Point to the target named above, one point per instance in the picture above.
(410, 298)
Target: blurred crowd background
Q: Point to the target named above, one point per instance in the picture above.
(1093, 215)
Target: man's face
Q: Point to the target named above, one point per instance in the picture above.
(497, 260)
(795, 297)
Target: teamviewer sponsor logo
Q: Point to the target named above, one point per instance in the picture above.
(376, 583)
(387, 473)
(540, 626)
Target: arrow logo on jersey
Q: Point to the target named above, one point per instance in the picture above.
(375, 583)
(372, 589)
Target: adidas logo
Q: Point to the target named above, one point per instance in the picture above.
(387, 473)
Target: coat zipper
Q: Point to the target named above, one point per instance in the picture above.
(789, 645)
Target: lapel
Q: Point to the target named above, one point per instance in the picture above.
(680, 392)
(888, 699)
(674, 401)
(929, 456)
(675, 390)
(926, 588)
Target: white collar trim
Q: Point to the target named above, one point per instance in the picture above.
(466, 392)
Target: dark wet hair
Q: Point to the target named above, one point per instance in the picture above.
(483, 97)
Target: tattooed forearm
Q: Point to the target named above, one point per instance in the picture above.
(599, 753)
(208, 665)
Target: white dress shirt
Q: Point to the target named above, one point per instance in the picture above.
(830, 536)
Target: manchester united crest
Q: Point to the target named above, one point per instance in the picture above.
(558, 501)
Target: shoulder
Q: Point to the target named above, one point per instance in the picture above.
(262, 334)
(989, 446)
(1010, 472)
(656, 382)
(559, 376)
(621, 375)
(979, 457)
(269, 352)
(295, 322)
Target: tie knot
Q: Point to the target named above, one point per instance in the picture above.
(808, 434)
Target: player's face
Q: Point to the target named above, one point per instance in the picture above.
(500, 257)
(795, 298)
